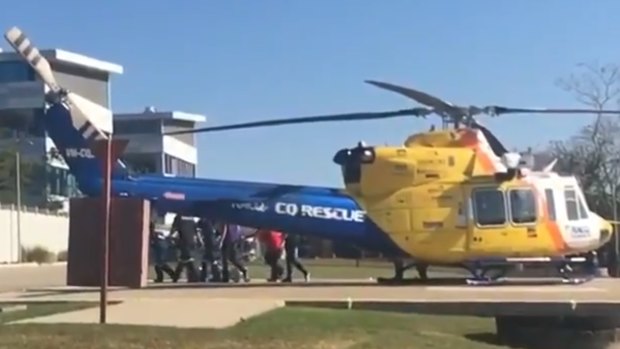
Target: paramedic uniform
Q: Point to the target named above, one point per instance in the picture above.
(291, 245)
(186, 230)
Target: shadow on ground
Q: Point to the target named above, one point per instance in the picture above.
(486, 338)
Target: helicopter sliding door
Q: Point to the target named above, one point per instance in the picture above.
(488, 220)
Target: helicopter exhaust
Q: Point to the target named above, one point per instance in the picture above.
(351, 160)
(511, 163)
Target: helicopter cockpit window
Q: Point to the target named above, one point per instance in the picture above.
(575, 207)
(489, 207)
(522, 206)
(572, 208)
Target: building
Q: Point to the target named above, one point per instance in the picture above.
(46, 181)
(149, 151)
(22, 102)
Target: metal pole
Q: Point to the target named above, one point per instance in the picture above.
(105, 195)
(614, 206)
(18, 185)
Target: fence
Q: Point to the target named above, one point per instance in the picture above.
(38, 228)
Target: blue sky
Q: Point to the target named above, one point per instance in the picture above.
(237, 61)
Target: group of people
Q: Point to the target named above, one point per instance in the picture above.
(220, 244)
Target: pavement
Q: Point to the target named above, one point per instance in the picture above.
(223, 305)
(31, 275)
(170, 312)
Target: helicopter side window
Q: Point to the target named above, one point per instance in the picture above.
(550, 204)
(572, 207)
(522, 206)
(489, 207)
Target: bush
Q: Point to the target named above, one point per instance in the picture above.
(61, 256)
(38, 255)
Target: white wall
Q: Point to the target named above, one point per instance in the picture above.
(180, 150)
(40, 228)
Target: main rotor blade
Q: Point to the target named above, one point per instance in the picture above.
(311, 119)
(419, 96)
(498, 110)
(24, 47)
(496, 145)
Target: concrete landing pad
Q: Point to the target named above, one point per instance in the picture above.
(159, 304)
(598, 290)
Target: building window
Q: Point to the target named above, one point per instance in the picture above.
(15, 72)
(522, 206)
(141, 163)
(489, 207)
(137, 126)
(178, 167)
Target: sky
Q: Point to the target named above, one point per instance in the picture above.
(239, 61)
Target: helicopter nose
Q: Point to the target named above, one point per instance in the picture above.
(605, 229)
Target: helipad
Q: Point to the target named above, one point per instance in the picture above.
(598, 290)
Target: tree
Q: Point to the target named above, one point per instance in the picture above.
(593, 154)
(32, 179)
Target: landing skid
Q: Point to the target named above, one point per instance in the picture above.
(567, 273)
(482, 275)
(485, 282)
(399, 281)
(399, 271)
(569, 276)
(487, 276)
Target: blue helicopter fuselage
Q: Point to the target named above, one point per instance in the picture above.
(306, 210)
(313, 211)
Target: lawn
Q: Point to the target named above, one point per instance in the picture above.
(340, 269)
(42, 309)
(284, 328)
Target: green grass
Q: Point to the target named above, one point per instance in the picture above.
(42, 309)
(297, 328)
(337, 269)
(331, 269)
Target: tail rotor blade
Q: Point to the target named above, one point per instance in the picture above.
(82, 109)
(98, 116)
(22, 44)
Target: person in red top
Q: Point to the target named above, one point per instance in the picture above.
(273, 241)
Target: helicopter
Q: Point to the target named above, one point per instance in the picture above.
(457, 196)
(452, 197)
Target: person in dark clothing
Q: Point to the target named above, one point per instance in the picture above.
(291, 245)
(231, 236)
(158, 248)
(211, 254)
(185, 230)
